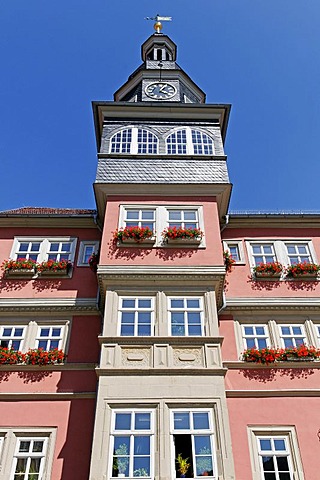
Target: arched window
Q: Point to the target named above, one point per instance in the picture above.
(147, 142)
(202, 144)
(135, 141)
(189, 141)
(121, 141)
(177, 142)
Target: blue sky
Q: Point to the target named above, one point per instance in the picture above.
(262, 56)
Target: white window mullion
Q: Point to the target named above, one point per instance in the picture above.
(189, 141)
(134, 141)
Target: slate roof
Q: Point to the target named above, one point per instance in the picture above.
(161, 171)
(47, 211)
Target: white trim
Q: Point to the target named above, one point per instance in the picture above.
(44, 246)
(185, 309)
(136, 309)
(239, 244)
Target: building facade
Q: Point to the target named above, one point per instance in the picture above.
(140, 340)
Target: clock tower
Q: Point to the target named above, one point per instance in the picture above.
(161, 168)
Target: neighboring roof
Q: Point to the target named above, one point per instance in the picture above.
(47, 211)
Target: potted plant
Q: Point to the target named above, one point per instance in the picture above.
(54, 268)
(140, 472)
(183, 465)
(265, 356)
(301, 353)
(228, 261)
(93, 262)
(121, 460)
(182, 235)
(134, 235)
(303, 270)
(19, 267)
(269, 269)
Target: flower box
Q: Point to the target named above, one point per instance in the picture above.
(268, 271)
(131, 242)
(134, 235)
(267, 275)
(303, 271)
(20, 268)
(182, 236)
(270, 355)
(55, 273)
(20, 273)
(52, 268)
(183, 241)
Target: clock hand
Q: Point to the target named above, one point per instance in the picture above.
(161, 88)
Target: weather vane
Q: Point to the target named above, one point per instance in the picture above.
(158, 25)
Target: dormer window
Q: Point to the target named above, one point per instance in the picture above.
(189, 141)
(134, 141)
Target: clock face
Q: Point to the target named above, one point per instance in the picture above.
(160, 90)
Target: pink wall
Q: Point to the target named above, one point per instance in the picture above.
(284, 411)
(211, 255)
(239, 281)
(83, 282)
(74, 423)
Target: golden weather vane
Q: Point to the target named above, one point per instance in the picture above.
(158, 25)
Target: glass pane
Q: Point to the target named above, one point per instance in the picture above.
(144, 303)
(35, 465)
(285, 330)
(44, 332)
(181, 421)
(177, 330)
(141, 466)
(176, 303)
(265, 444)
(123, 422)
(141, 445)
(288, 343)
(194, 318)
(35, 247)
(284, 476)
(291, 249)
(54, 247)
(193, 303)
(37, 446)
(177, 318)
(204, 465)
(7, 332)
(256, 248)
(201, 421)
(194, 330)
(262, 343)
(133, 214)
(147, 215)
(43, 344)
(127, 330)
(128, 303)
(267, 249)
(190, 215)
(282, 463)
(56, 332)
(23, 247)
(18, 332)
(127, 317)
(280, 445)
(190, 225)
(260, 330)
(202, 444)
(268, 464)
(270, 476)
(15, 344)
(174, 215)
(144, 330)
(248, 330)
(54, 344)
(142, 421)
(302, 249)
(24, 446)
(144, 317)
(250, 343)
(66, 247)
(297, 330)
(21, 465)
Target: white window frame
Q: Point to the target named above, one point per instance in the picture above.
(287, 432)
(183, 220)
(239, 245)
(280, 250)
(10, 440)
(11, 338)
(189, 143)
(82, 251)
(185, 310)
(44, 247)
(31, 330)
(161, 220)
(193, 433)
(150, 433)
(134, 145)
(255, 336)
(136, 309)
(292, 336)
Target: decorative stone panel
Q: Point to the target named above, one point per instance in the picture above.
(184, 357)
(136, 357)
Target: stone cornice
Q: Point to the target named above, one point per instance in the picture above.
(254, 220)
(273, 393)
(51, 221)
(41, 396)
(273, 303)
(180, 341)
(48, 305)
(126, 372)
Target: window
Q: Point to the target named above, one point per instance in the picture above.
(140, 218)
(202, 144)
(263, 253)
(43, 249)
(192, 437)
(27, 453)
(11, 337)
(255, 336)
(30, 334)
(29, 458)
(183, 218)
(292, 335)
(275, 453)
(186, 316)
(49, 338)
(189, 141)
(134, 141)
(283, 251)
(136, 317)
(235, 249)
(132, 443)
(87, 248)
(298, 253)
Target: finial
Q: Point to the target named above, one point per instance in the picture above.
(158, 25)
